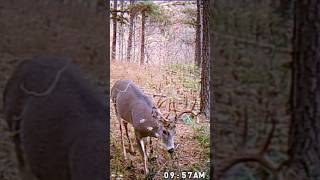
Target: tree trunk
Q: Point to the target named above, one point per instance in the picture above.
(304, 137)
(204, 94)
(197, 53)
(134, 40)
(130, 33)
(213, 131)
(285, 8)
(114, 38)
(121, 31)
(143, 21)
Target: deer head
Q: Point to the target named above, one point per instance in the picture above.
(166, 130)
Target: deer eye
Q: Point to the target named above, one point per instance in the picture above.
(164, 132)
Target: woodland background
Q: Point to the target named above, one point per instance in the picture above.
(158, 45)
(265, 63)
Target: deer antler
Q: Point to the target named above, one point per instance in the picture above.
(258, 157)
(164, 119)
(189, 111)
(174, 109)
(159, 103)
(172, 103)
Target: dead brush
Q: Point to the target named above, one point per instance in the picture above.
(171, 164)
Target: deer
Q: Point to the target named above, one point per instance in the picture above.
(59, 120)
(134, 107)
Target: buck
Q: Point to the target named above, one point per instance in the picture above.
(59, 119)
(134, 107)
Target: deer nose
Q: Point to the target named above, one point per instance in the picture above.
(171, 150)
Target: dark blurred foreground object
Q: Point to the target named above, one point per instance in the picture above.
(59, 119)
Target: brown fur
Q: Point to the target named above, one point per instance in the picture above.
(135, 108)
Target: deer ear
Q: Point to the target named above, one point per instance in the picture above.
(159, 132)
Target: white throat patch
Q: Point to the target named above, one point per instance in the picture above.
(157, 135)
(142, 121)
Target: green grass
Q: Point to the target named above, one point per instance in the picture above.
(201, 133)
(188, 75)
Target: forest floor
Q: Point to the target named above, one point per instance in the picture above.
(78, 36)
(181, 84)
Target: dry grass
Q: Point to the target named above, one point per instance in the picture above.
(8, 161)
(190, 154)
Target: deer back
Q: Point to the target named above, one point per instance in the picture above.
(135, 107)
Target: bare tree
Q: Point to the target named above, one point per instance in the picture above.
(114, 38)
(204, 94)
(304, 134)
(150, 10)
(131, 21)
(143, 23)
(197, 54)
(121, 30)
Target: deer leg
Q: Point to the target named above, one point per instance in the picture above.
(122, 142)
(142, 150)
(151, 147)
(127, 132)
(121, 133)
(145, 141)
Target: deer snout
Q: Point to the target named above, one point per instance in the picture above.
(168, 141)
(170, 148)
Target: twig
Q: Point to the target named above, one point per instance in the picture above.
(156, 95)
